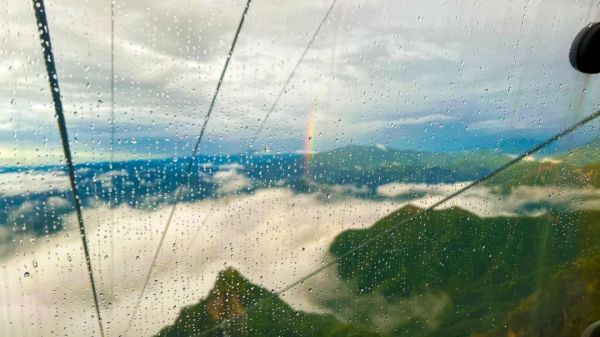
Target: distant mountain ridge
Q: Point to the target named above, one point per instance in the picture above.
(150, 183)
(583, 155)
(374, 166)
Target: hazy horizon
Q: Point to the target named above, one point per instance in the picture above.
(406, 75)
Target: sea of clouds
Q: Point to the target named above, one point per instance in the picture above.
(273, 236)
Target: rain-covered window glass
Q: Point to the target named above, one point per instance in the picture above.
(299, 168)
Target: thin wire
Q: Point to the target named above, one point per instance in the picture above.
(192, 242)
(519, 75)
(188, 169)
(112, 81)
(451, 196)
(44, 33)
(111, 194)
(291, 75)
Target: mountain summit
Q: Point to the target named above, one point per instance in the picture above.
(235, 307)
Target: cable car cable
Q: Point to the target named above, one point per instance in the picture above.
(186, 174)
(288, 80)
(263, 122)
(449, 197)
(44, 34)
(111, 194)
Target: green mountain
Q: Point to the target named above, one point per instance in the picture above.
(563, 306)
(578, 168)
(592, 173)
(583, 155)
(536, 173)
(366, 157)
(376, 165)
(484, 267)
(245, 309)
(445, 273)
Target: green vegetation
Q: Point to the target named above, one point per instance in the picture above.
(485, 265)
(373, 166)
(231, 300)
(535, 173)
(583, 155)
(484, 277)
(564, 306)
(446, 273)
(579, 168)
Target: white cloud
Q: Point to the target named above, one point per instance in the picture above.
(58, 202)
(230, 180)
(273, 237)
(550, 160)
(485, 202)
(106, 179)
(27, 182)
(231, 167)
(372, 57)
(381, 147)
(398, 189)
(424, 119)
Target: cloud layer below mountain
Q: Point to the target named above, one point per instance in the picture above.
(272, 236)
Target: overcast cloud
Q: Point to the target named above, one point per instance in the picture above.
(441, 75)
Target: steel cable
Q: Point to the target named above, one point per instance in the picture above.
(186, 174)
(44, 34)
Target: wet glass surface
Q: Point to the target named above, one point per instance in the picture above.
(306, 209)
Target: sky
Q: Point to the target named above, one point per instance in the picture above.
(433, 75)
